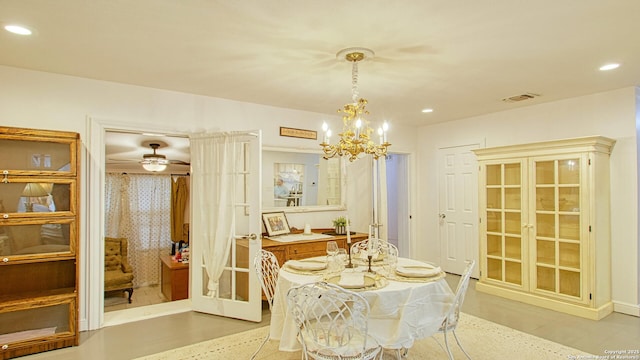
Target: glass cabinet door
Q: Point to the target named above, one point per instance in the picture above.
(557, 226)
(37, 197)
(504, 222)
(36, 156)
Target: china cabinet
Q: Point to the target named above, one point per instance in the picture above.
(544, 224)
(39, 172)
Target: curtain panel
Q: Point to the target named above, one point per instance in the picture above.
(138, 207)
(214, 160)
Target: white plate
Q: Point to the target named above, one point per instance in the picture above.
(308, 265)
(425, 270)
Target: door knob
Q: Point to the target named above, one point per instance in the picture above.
(442, 216)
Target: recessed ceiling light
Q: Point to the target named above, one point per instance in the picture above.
(427, 110)
(17, 29)
(609, 67)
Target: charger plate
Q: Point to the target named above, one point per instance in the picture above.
(307, 265)
(397, 277)
(423, 270)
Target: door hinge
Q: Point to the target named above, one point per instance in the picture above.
(589, 161)
(590, 296)
(589, 228)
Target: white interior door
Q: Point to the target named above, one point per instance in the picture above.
(236, 292)
(458, 207)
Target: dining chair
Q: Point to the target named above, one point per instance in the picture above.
(332, 322)
(452, 317)
(363, 245)
(266, 266)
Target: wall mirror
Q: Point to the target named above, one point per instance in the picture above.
(297, 180)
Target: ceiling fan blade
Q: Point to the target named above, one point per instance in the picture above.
(179, 162)
(114, 160)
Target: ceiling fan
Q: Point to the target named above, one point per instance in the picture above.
(157, 162)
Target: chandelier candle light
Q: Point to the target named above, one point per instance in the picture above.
(356, 138)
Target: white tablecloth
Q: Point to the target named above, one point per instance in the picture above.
(401, 312)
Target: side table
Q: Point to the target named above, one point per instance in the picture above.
(174, 278)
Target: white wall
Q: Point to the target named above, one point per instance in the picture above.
(57, 102)
(611, 114)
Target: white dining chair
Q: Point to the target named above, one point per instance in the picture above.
(383, 247)
(332, 322)
(267, 268)
(452, 317)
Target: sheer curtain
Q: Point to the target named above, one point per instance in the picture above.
(214, 158)
(138, 207)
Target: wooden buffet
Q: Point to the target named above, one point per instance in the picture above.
(294, 250)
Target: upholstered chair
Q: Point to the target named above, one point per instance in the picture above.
(118, 274)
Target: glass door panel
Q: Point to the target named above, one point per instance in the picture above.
(513, 247)
(494, 175)
(569, 171)
(569, 227)
(569, 283)
(513, 272)
(513, 223)
(569, 254)
(545, 225)
(546, 278)
(545, 199)
(512, 174)
(494, 198)
(512, 198)
(494, 221)
(494, 245)
(546, 252)
(494, 269)
(545, 172)
(569, 198)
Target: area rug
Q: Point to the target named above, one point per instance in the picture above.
(482, 339)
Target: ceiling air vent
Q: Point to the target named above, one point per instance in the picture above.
(521, 97)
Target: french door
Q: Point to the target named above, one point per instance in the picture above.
(225, 233)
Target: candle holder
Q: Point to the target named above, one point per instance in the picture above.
(350, 264)
(369, 258)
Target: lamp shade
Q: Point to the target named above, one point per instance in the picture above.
(34, 190)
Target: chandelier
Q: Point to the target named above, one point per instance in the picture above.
(356, 139)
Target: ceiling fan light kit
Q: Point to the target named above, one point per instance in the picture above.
(154, 162)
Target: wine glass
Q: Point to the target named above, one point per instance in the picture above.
(392, 259)
(332, 248)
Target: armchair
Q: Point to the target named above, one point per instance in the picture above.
(118, 274)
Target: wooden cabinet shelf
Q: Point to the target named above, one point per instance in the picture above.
(544, 229)
(38, 240)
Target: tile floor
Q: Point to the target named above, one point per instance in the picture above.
(131, 340)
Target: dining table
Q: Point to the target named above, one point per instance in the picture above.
(403, 308)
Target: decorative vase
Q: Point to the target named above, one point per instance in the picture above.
(341, 229)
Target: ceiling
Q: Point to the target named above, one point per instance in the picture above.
(459, 60)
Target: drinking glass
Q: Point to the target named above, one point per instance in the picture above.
(392, 259)
(332, 248)
(343, 259)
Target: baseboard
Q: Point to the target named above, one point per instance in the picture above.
(624, 308)
(552, 304)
